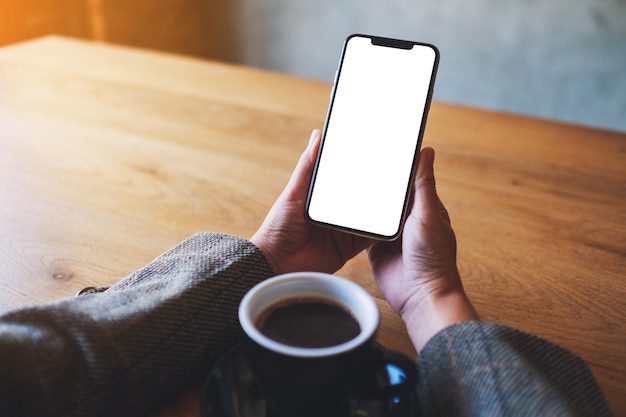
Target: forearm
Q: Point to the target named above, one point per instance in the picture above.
(480, 368)
(123, 351)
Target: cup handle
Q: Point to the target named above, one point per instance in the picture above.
(394, 381)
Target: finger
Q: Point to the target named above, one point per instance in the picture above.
(426, 185)
(313, 146)
(425, 167)
(306, 163)
(315, 135)
(301, 177)
(425, 188)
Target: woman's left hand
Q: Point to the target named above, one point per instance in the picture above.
(289, 241)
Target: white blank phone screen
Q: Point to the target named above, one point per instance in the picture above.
(371, 137)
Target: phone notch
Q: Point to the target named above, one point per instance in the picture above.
(392, 43)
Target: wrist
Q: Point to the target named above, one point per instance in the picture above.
(259, 242)
(428, 315)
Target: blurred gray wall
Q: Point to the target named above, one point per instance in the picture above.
(557, 59)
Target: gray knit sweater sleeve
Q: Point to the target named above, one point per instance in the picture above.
(487, 369)
(123, 351)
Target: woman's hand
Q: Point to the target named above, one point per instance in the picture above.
(289, 242)
(417, 273)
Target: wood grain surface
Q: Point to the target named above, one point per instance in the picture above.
(110, 155)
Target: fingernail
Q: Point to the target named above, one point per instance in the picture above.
(429, 155)
(314, 136)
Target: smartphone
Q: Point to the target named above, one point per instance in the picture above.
(371, 139)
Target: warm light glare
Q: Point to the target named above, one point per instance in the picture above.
(97, 20)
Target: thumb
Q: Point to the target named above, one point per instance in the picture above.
(425, 179)
(425, 185)
(299, 182)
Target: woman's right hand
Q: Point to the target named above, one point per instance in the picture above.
(417, 273)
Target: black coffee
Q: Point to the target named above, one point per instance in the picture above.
(308, 322)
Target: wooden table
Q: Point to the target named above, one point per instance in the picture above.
(109, 156)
